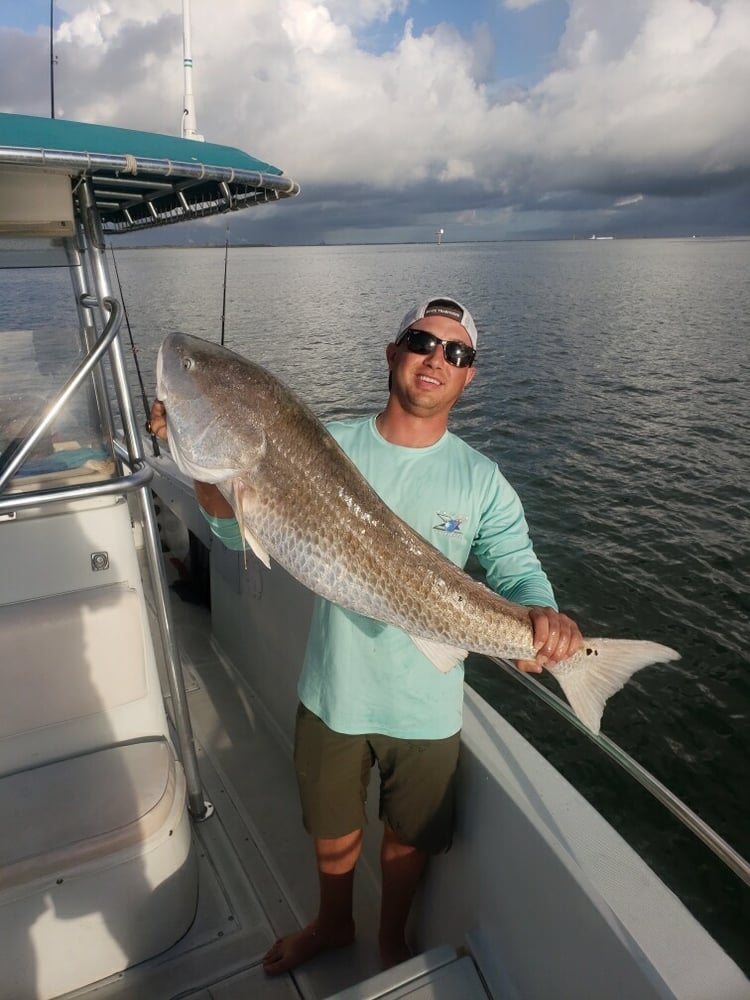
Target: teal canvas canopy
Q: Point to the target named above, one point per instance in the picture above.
(143, 179)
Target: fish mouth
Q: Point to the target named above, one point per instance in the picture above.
(168, 345)
(160, 386)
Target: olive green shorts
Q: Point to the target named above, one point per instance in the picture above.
(417, 783)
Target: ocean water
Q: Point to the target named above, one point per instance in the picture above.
(612, 390)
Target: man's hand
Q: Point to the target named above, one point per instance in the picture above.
(157, 421)
(556, 637)
(208, 496)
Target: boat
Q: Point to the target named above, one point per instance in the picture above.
(595, 237)
(152, 845)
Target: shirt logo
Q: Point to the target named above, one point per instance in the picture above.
(449, 524)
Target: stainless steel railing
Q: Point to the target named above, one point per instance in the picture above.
(110, 331)
(137, 482)
(723, 850)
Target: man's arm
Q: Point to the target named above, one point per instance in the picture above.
(504, 549)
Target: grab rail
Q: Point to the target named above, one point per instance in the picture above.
(715, 843)
(110, 331)
(142, 475)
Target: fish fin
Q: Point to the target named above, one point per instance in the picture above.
(235, 492)
(256, 547)
(441, 655)
(600, 669)
(237, 507)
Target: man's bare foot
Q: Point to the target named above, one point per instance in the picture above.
(300, 946)
(393, 953)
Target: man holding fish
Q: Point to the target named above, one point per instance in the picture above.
(370, 692)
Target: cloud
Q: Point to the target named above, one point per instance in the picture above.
(635, 199)
(647, 96)
(520, 4)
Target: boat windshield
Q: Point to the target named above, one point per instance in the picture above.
(43, 342)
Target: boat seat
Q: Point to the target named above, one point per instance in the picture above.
(76, 676)
(97, 865)
(49, 826)
(97, 871)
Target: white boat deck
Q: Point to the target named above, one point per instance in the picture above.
(257, 870)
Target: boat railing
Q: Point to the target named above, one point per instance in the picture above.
(715, 843)
(141, 476)
(141, 473)
(110, 331)
(136, 481)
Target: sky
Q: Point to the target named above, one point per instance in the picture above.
(489, 119)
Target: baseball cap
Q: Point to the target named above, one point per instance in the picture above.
(441, 305)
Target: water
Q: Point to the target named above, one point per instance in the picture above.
(612, 389)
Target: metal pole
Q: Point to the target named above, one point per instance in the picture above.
(108, 334)
(199, 807)
(224, 294)
(51, 60)
(74, 250)
(142, 474)
(189, 128)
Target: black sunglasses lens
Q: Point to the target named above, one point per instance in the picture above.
(421, 342)
(457, 354)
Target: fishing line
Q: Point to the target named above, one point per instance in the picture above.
(224, 298)
(146, 407)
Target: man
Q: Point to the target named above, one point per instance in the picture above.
(367, 694)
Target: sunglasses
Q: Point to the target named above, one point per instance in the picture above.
(455, 352)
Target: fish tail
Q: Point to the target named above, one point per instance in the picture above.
(600, 669)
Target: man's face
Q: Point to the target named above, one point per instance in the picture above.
(427, 384)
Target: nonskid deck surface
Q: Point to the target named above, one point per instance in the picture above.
(257, 876)
(257, 872)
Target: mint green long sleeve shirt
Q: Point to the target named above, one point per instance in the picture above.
(361, 676)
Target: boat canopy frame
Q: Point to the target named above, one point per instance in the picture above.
(141, 180)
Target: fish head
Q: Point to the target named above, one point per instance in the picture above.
(213, 427)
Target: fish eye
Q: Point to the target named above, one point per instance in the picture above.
(187, 364)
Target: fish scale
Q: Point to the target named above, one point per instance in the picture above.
(358, 544)
(301, 501)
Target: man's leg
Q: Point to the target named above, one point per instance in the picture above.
(417, 796)
(332, 774)
(334, 925)
(402, 868)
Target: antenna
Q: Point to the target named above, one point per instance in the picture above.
(52, 58)
(189, 124)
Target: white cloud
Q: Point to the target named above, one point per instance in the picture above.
(634, 199)
(647, 89)
(100, 22)
(520, 4)
(356, 13)
(310, 28)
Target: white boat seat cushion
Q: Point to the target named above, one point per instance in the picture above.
(69, 656)
(61, 816)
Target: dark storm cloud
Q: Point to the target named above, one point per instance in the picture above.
(639, 125)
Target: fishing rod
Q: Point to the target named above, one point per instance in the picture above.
(224, 296)
(146, 407)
